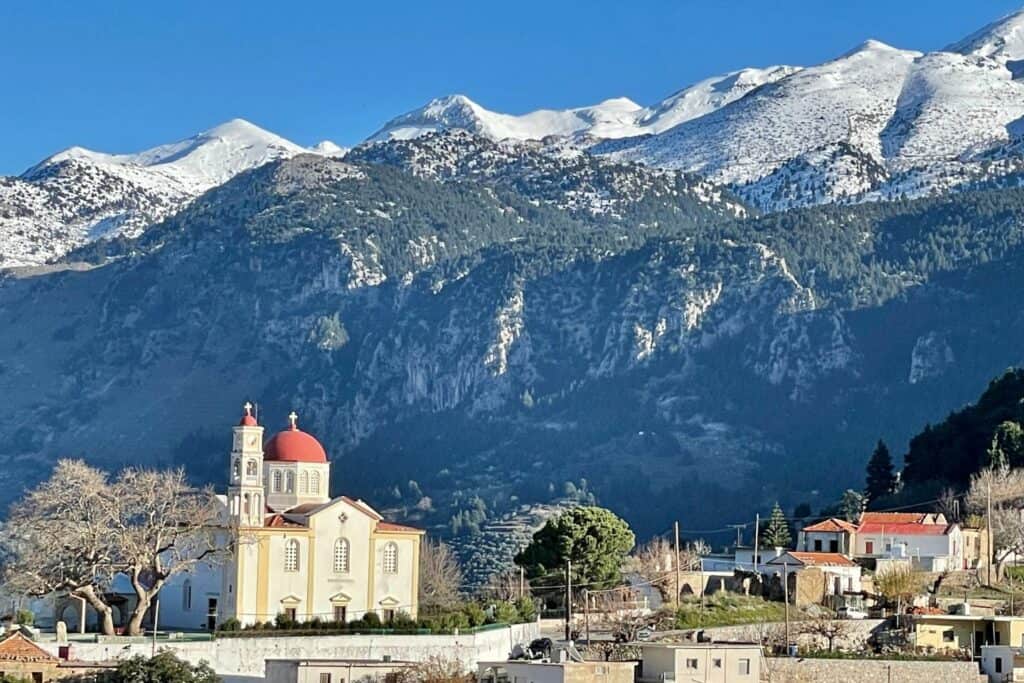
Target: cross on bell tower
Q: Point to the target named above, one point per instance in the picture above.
(246, 495)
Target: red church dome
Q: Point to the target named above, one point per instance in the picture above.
(247, 419)
(294, 445)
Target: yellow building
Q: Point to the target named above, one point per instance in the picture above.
(964, 632)
(298, 552)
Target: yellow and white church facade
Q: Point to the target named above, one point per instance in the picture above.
(296, 552)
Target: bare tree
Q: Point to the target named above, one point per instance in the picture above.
(1003, 489)
(436, 669)
(163, 527)
(899, 584)
(60, 539)
(654, 562)
(440, 576)
(825, 627)
(507, 586)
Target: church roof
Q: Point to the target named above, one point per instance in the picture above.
(294, 445)
(280, 521)
(398, 528)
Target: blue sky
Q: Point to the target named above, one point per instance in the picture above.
(122, 76)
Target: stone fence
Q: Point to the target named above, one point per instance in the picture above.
(241, 657)
(796, 670)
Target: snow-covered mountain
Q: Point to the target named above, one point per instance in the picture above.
(611, 119)
(78, 195)
(877, 122)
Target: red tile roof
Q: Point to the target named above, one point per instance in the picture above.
(832, 525)
(392, 527)
(904, 529)
(892, 517)
(278, 521)
(18, 648)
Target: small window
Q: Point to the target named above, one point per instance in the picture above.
(833, 546)
(341, 548)
(691, 663)
(186, 596)
(717, 663)
(817, 545)
(948, 636)
(291, 556)
(314, 482)
(744, 666)
(869, 547)
(390, 559)
(600, 670)
(999, 665)
(236, 468)
(304, 483)
(325, 677)
(276, 481)
(289, 481)
(250, 468)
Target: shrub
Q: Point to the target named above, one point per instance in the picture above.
(370, 620)
(506, 613)
(231, 624)
(403, 622)
(282, 621)
(474, 614)
(526, 608)
(25, 617)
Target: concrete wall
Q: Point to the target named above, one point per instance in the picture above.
(247, 656)
(796, 670)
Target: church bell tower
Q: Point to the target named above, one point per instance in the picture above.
(246, 495)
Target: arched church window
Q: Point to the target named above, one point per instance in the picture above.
(341, 551)
(250, 468)
(304, 482)
(245, 504)
(291, 556)
(186, 595)
(314, 482)
(276, 481)
(391, 558)
(236, 468)
(290, 482)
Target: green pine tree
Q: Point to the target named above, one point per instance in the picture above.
(880, 480)
(776, 534)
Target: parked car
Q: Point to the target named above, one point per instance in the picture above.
(851, 613)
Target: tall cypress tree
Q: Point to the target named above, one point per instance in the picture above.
(776, 534)
(880, 479)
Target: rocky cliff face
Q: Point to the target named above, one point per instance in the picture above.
(463, 339)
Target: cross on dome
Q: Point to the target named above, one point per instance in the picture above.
(247, 408)
(293, 419)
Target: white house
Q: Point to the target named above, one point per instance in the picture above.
(927, 539)
(300, 553)
(842, 575)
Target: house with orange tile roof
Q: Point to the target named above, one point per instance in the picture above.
(925, 539)
(832, 535)
(832, 575)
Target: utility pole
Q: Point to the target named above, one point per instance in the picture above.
(988, 531)
(522, 583)
(785, 594)
(757, 534)
(586, 614)
(676, 598)
(568, 600)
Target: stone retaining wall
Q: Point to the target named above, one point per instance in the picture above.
(245, 657)
(782, 670)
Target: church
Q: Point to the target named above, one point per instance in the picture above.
(297, 551)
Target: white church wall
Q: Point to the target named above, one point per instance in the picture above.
(395, 587)
(342, 520)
